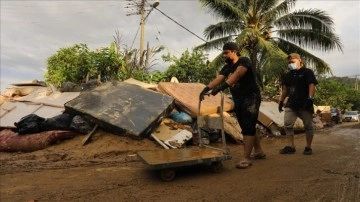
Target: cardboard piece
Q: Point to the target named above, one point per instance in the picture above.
(179, 139)
(123, 108)
(169, 128)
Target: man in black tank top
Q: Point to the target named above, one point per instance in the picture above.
(238, 75)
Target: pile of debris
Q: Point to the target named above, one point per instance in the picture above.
(166, 112)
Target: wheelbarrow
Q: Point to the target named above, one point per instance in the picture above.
(167, 161)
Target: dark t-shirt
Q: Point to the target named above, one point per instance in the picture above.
(297, 83)
(247, 84)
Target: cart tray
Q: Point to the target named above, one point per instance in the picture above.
(159, 159)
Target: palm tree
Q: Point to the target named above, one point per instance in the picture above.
(267, 31)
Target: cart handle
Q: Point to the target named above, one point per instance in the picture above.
(221, 117)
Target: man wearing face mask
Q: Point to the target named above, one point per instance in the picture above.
(299, 86)
(238, 74)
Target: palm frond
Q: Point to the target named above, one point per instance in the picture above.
(223, 28)
(313, 39)
(281, 9)
(214, 44)
(223, 9)
(310, 18)
(310, 61)
(217, 62)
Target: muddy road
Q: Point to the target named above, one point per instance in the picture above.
(107, 169)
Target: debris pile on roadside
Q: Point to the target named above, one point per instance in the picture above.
(166, 112)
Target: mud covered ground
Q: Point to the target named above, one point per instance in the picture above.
(107, 169)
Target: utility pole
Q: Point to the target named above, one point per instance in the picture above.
(356, 82)
(142, 31)
(140, 4)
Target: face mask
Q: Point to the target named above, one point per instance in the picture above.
(228, 60)
(292, 66)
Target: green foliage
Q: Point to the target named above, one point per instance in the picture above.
(190, 67)
(333, 93)
(69, 64)
(350, 82)
(271, 90)
(107, 63)
(77, 63)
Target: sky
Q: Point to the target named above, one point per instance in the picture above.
(32, 31)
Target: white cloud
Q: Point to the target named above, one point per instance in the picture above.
(31, 31)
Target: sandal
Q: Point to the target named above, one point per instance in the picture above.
(243, 164)
(260, 155)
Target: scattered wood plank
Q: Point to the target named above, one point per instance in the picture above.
(89, 135)
(159, 141)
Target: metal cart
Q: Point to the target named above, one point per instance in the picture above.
(166, 161)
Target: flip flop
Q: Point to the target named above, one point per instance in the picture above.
(243, 164)
(261, 155)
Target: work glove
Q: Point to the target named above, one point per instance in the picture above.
(203, 92)
(281, 105)
(219, 88)
(309, 105)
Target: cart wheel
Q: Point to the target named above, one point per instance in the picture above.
(167, 175)
(216, 167)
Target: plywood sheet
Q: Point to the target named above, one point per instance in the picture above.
(123, 108)
(269, 113)
(140, 83)
(186, 96)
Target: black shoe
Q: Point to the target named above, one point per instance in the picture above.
(307, 151)
(287, 150)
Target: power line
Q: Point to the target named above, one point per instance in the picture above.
(181, 25)
(135, 37)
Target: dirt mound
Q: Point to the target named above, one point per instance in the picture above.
(104, 149)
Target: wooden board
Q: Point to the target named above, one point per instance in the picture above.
(180, 157)
(186, 97)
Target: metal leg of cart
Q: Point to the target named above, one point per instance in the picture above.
(166, 161)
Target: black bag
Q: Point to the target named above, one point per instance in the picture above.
(79, 125)
(59, 122)
(29, 124)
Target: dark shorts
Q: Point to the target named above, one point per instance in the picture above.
(247, 111)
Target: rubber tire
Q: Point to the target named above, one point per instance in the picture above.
(216, 167)
(167, 175)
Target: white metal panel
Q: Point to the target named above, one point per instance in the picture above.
(11, 112)
(47, 97)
